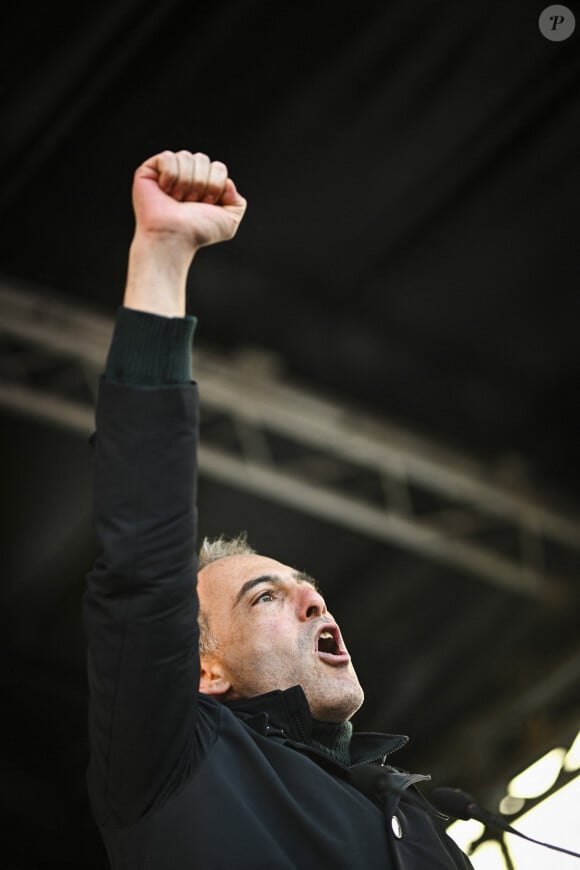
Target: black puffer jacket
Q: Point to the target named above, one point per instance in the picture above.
(177, 780)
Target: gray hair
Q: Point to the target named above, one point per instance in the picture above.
(210, 551)
(219, 548)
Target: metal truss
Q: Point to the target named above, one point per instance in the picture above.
(262, 434)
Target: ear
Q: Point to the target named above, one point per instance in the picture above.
(212, 680)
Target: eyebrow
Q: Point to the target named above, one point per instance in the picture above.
(299, 576)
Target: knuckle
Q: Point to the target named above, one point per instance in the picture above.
(168, 157)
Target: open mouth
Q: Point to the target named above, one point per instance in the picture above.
(329, 646)
(327, 643)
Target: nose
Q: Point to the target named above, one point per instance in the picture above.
(310, 603)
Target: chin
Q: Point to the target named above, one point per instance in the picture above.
(338, 709)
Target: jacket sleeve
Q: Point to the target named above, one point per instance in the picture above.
(140, 605)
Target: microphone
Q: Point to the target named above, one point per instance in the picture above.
(461, 805)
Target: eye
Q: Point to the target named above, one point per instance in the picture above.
(266, 595)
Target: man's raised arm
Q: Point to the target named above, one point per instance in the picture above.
(140, 605)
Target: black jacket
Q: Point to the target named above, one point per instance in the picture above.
(178, 781)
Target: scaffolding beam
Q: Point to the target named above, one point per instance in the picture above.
(326, 459)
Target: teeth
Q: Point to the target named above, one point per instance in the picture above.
(326, 634)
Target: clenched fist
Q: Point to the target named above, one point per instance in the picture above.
(187, 195)
(182, 202)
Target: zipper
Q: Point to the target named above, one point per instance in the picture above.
(382, 758)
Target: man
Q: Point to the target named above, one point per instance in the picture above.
(238, 753)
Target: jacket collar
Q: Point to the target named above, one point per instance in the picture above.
(286, 714)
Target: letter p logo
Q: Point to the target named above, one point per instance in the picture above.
(557, 23)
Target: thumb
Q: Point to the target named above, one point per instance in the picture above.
(230, 195)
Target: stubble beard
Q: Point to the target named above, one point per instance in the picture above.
(335, 700)
(333, 692)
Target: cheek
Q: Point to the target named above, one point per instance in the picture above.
(269, 634)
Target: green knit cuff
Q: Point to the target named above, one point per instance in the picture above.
(150, 350)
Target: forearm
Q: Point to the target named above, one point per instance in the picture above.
(157, 274)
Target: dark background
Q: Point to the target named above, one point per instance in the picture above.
(409, 253)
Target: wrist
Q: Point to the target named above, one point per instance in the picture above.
(157, 275)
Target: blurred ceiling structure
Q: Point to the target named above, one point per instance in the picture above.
(387, 356)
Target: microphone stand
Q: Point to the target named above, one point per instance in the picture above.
(494, 820)
(462, 805)
(506, 855)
